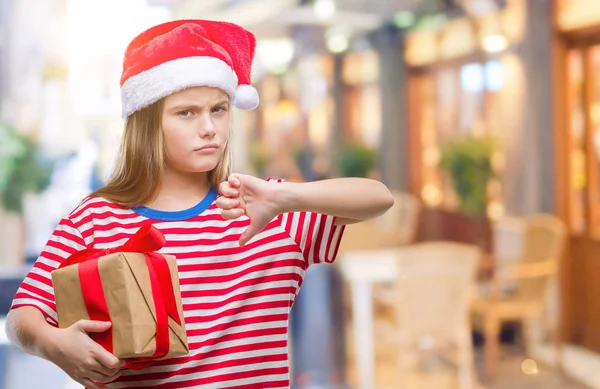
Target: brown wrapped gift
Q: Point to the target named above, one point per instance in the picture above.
(129, 292)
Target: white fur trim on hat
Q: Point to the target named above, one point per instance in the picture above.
(149, 86)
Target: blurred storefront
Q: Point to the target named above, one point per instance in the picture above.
(577, 126)
(526, 74)
(403, 88)
(324, 104)
(295, 121)
(473, 75)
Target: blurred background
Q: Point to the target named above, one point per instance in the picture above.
(482, 116)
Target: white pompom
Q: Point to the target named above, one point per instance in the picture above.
(246, 97)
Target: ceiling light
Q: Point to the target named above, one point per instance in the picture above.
(495, 43)
(337, 44)
(337, 39)
(275, 54)
(324, 9)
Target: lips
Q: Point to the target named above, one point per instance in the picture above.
(208, 147)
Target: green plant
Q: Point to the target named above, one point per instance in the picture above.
(355, 160)
(23, 168)
(468, 163)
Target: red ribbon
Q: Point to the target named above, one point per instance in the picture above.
(146, 240)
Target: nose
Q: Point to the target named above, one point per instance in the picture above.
(207, 127)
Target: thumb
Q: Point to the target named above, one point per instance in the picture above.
(93, 325)
(248, 234)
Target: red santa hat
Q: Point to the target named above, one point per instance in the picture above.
(184, 53)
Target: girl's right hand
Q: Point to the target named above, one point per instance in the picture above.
(81, 358)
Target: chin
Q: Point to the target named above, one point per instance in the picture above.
(195, 165)
(204, 164)
(202, 168)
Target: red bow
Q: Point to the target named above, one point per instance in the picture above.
(147, 240)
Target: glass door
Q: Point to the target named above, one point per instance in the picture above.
(583, 66)
(593, 120)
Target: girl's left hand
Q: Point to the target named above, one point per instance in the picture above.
(244, 195)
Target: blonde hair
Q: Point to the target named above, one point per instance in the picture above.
(140, 166)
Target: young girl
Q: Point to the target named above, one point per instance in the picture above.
(241, 255)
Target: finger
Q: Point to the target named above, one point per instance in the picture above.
(230, 214)
(227, 203)
(97, 376)
(234, 181)
(105, 371)
(226, 190)
(89, 384)
(108, 363)
(88, 326)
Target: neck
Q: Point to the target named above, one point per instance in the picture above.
(180, 191)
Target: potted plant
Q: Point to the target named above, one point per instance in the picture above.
(468, 163)
(23, 169)
(356, 160)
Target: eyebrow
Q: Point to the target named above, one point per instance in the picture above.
(196, 106)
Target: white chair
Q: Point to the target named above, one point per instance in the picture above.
(508, 235)
(397, 227)
(518, 291)
(400, 223)
(433, 292)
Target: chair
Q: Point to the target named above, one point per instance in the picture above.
(395, 228)
(435, 286)
(507, 235)
(518, 291)
(398, 226)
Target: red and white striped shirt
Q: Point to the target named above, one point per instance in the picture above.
(236, 300)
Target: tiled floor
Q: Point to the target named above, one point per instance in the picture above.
(511, 376)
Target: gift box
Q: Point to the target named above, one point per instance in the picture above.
(134, 288)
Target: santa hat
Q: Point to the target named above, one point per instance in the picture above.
(184, 53)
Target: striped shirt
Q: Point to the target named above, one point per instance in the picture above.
(236, 300)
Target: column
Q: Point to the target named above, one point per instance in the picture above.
(537, 179)
(394, 151)
(339, 110)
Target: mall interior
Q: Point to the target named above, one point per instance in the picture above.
(481, 116)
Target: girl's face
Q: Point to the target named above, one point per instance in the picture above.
(195, 126)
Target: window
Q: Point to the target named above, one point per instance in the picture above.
(447, 103)
(583, 99)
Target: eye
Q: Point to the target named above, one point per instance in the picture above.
(219, 109)
(185, 114)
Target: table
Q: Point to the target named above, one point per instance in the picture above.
(362, 269)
